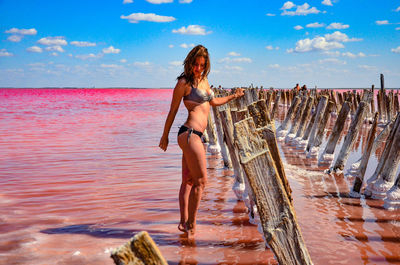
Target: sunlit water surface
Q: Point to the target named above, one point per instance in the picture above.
(81, 173)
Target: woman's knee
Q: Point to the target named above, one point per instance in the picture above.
(201, 182)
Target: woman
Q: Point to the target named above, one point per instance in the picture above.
(194, 89)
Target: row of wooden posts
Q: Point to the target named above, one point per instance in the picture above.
(243, 131)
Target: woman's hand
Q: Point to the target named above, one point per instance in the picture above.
(164, 143)
(239, 92)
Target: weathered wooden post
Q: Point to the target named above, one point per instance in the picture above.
(386, 171)
(276, 105)
(392, 200)
(213, 146)
(319, 114)
(313, 147)
(328, 153)
(282, 130)
(359, 178)
(349, 139)
(221, 139)
(304, 119)
(277, 216)
(296, 121)
(140, 250)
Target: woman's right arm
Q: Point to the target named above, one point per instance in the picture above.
(179, 92)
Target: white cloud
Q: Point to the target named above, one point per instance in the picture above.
(22, 31)
(233, 68)
(151, 17)
(111, 49)
(34, 49)
(5, 53)
(335, 25)
(339, 36)
(368, 67)
(302, 10)
(127, 2)
(185, 1)
(397, 9)
(398, 28)
(123, 60)
(88, 56)
(352, 55)
(185, 46)
(315, 25)
(142, 64)
(274, 66)
(327, 2)
(234, 54)
(191, 30)
(331, 60)
(318, 43)
(109, 65)
(54, 54)
(287, 5)
(382, 22)
(269, 47)
(396, 50)
(270, 15)
(55, 48)
(82, 43)
(176, 63)
(170, 46)
(298, 27)
(332, 53)
(50, 41)
(237, 60)
(159, 1)
(15, 38)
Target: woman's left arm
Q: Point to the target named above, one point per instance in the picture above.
(223, 100)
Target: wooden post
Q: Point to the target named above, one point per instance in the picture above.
(392, 200)
(289, 116)
(296, 120)
(383, 159)
(227, 124)
(314, 149)
(320, 113)
(304, 119)
(141, 249)
(359, 178)
(349, 139)
(278, 219)
(378, 188)
(276, 105)
(213, 146)
(327, 154)
(221, 139)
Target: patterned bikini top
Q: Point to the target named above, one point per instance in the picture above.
(198, 95)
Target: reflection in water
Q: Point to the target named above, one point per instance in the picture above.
(81, 173)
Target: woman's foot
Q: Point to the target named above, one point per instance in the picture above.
(190, 229)
(181, 227)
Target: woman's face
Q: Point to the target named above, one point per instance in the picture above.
(198, 66)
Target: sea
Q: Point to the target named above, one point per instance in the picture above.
(81, 173)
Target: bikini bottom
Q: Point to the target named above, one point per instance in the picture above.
(183, 129)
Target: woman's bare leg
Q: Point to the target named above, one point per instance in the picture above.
(184, 192)
(195, 158)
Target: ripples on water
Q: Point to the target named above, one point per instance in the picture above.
(81, 172)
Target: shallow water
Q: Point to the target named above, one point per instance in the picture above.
(81, 172)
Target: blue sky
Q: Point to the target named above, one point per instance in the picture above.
(142, 43)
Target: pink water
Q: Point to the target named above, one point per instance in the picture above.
(80, 173)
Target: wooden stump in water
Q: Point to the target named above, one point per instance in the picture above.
(278, 219)
(289, 115)
(305, 118)
(319, 115)
(389, 166)
(349, 139)
(221, 139)
(358, 181)
(327, 154)
(276, 105)
(140, 250)
(392, 200)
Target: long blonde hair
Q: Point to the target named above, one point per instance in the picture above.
(198, 51)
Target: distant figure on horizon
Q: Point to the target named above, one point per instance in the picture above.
(304, 88)
(194, 89)
(297, 87)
